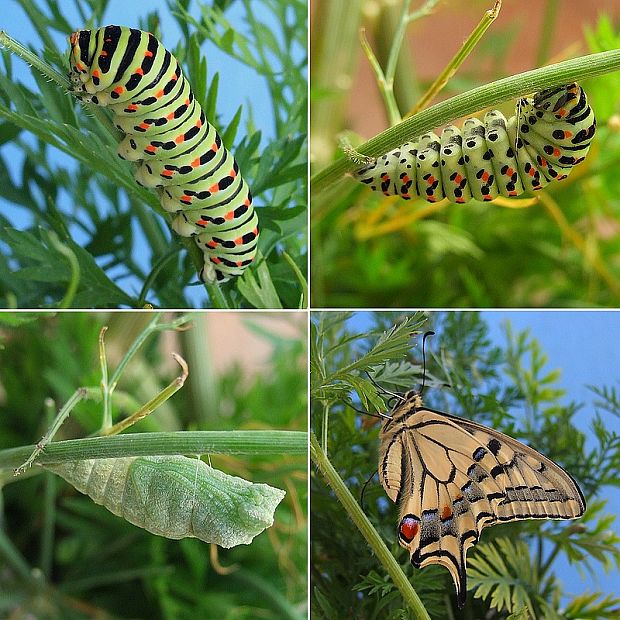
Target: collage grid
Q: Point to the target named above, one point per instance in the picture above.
(310, 309)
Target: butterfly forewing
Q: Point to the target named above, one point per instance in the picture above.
(452, 477)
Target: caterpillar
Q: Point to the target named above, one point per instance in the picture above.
(166, 131)
(549, 134)
(176, 497)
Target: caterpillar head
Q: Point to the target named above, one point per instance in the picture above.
(558, 101)
(79, 60)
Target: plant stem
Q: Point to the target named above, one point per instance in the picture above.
(590, 254)
(151, 444)
(358, 517)
(472, 101)
(453, 66)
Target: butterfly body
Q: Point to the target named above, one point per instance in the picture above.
(452, 477)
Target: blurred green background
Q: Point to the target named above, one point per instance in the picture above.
(372, 251)
(246, 372)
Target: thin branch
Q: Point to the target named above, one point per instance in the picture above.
(472, 101)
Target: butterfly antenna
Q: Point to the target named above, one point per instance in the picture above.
(426, 335)
(364, 490)
(382, 389)
(381, 416)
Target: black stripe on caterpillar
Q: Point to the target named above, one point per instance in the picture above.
(181, 154)
(550, 133)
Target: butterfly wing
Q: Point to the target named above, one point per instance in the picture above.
(453, 477)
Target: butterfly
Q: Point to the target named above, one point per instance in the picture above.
(452, 478)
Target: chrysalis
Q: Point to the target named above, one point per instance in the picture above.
(176, 497)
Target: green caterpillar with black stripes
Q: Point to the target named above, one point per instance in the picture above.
(181, 154)
(549, 134)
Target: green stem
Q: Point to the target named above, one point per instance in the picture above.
(180, 442)
(33, 60)
(472, 101)
(358, 517)
(153, 326)
(154, 403)
(106, 393)
(266, 590)
(549, 561)
(453, 66)
(303, 298)
(549, 22)
(74, 267)
(161, 262)
(14, 559)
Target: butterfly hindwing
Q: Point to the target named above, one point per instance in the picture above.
(452, 477)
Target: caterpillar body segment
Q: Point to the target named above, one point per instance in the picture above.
(179, 152)
(549, 134)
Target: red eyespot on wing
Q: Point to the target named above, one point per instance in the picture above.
(408, 528)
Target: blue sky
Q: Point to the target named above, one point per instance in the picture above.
(238, 86)
(585, 346)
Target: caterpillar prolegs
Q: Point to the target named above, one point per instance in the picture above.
(182, 155)
(550, 133)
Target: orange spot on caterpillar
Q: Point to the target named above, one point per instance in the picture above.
(159, 94)
(485, 176)
(151, 149)
(212, 244)
(143, 125)
(119, 90)
(196, 162)
(170, 116)
(239, 241)
(230, 215)
(148, 54)
(214, 188)
(96, 73)
(180, 139)
(103, 54)
(167, 173)
(139, 71)
(232, 174)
